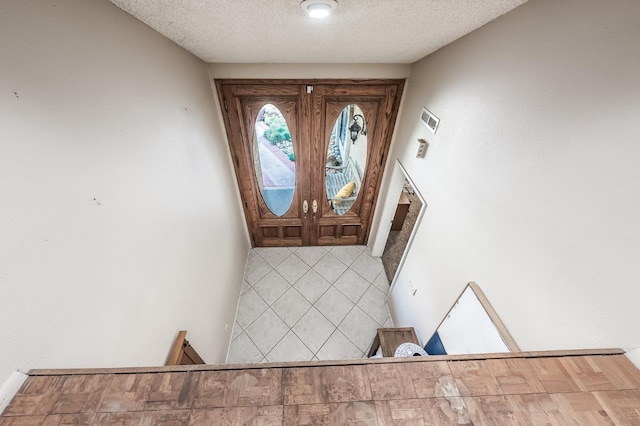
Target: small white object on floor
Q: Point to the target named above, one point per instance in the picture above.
(409, 349)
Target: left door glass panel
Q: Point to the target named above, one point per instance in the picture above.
(274, 159)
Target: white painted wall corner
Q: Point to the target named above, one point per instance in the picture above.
(10, 387)
(634, 356)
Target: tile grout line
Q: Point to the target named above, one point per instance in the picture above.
(309, 268)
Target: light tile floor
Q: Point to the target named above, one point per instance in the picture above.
(309, 303)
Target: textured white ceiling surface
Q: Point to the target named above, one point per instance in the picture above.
(279, 31)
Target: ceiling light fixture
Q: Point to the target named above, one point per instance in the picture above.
(318, 8)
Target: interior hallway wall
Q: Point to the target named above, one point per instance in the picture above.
(120, 221)
(319, 71)
(532, 179)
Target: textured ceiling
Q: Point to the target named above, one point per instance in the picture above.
(279, 31)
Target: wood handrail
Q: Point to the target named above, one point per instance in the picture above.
(358, 361)
(182, 353)
(176, 349)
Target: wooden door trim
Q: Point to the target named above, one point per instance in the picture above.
(306, 82)
(230, 92)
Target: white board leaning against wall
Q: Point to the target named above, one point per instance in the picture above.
(471, 327)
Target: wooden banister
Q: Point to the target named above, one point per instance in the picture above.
(182, 353)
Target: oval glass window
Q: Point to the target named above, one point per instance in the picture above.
(274, 159)
(346, 159)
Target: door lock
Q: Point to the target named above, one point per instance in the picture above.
(305, 206)
(314, 206)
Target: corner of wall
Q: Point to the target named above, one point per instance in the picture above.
(634, 356)
(10, 387)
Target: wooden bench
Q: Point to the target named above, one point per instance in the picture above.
(336, 178)
(390, 338)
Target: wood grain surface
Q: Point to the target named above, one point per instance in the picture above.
(578, 388)
(310, 118)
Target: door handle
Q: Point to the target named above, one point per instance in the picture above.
(314, 206)
(305, 206)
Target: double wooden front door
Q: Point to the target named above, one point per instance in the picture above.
(317, 116)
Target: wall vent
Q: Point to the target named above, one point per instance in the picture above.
(430, 120)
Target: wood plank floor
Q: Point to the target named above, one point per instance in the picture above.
(550, 390)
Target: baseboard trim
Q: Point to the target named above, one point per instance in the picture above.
(10, 387)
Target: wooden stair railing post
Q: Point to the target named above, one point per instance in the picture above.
(182, 353)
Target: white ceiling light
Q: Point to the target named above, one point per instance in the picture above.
(318, 8)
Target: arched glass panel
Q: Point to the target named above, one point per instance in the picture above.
(274, 159)
(346, 159)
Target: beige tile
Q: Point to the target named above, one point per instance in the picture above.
(367, 267)
(373, 303)
(311, 255)
(334, 306)
(291, 307)
(267, 331)
(347, 254)
(382, 283)
(290, 348)
(245, 286)
(271, 287)
(313, 329)
(330, 268)
(257, 268)
(251, 306)
(292, 268)
(388, 323)
(243, 351)
(360, 328)
(273, 255)
(312, 286)
(338, 347)
(237, 329)
(352, 285)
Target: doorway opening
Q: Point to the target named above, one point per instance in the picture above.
(402, 226)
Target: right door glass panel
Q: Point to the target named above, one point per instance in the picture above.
(274, 159)
(346, 159)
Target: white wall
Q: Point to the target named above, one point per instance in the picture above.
(120, 221)
(347, 71)
(533, 178)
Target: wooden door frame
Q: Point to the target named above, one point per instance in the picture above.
(309, 111)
